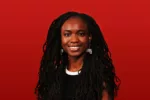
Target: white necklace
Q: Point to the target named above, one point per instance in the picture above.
(72, 73)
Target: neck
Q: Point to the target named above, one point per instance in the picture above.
(75, 63)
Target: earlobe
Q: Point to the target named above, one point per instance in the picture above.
(90, 37)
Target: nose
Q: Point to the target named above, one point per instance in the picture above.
(74, 38)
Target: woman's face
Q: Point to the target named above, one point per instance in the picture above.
(74, 37)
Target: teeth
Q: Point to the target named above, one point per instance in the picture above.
(74, 48)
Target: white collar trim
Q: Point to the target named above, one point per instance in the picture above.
(72, 73)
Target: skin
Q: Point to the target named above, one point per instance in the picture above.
(74, 33)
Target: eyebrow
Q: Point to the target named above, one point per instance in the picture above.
(77, 31)
(67, 30)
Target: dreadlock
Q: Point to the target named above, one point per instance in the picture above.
(97, 69)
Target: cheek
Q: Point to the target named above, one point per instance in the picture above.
(85, 42)
(64, 41)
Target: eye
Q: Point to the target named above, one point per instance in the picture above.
(67, 34)
(81, 33)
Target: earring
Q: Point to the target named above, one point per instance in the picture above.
(61, 51)
(89, 50)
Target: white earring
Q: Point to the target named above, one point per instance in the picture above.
(61, 51)
(89, 50)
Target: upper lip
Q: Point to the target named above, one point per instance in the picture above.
(74, 46)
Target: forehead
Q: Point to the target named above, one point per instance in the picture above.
(75, 23)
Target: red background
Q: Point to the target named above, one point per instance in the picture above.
(23, 29)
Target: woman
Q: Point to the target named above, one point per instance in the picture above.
(76, 64)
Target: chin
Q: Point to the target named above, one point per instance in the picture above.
(75, 54)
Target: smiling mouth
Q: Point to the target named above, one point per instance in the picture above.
(75, 48)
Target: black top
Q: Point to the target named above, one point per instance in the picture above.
(69, 86)
(71, 82)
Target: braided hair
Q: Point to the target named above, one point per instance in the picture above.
(97, 69)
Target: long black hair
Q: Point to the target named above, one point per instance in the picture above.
(98, 72)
